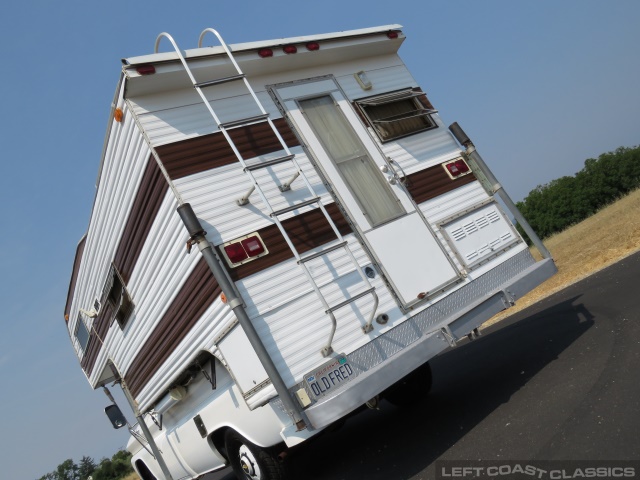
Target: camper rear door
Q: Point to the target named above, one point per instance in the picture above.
(401, 242)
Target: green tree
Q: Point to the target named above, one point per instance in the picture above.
(86, 467)
(118, 466)
(67, 470)
(568, 200)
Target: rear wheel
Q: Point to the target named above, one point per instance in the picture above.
(411, 389)
(250, 462)
(144, 471)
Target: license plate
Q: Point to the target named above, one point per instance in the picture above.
(330, 376)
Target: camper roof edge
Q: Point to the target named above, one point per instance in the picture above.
(248, 46)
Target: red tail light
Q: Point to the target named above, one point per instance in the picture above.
(392, 34)
(265, 52)
(244, 249)
(235, 252)
(313, 46)
(146, 69)
(290, 49)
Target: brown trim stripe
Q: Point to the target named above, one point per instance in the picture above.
(431, 182)
(98, 332)
(144, 211)
(180, 159)
(146, 204)
(74, 277)
(193, 299)
(307, 231)
(206, 152)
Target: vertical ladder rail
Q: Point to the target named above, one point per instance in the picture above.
(327, 349)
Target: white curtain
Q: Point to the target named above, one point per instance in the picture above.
(365, 181)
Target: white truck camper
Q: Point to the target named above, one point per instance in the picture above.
(283, 231)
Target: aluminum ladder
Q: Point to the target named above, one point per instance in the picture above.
(274, 215)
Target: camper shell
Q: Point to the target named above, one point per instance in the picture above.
(282, 231)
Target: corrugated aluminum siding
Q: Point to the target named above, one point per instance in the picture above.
(125, 159)
(168, 118)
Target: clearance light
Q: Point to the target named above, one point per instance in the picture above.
(146, 69)
(223, 298)
(244, 249)
(118, 114)
(253, 246)
(392, 34)
(313, 46)
(288, 49)
(265, 52)
(457, 168)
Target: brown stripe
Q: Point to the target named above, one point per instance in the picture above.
(307, 231)
(146, 204)
(98, 333)
(74, 277)
(205, 152)
(180, 159)
(431, 182)
(193, 299)
(144, 210)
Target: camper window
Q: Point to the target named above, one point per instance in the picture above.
(81, 333)
(397, 114)
(115, 293)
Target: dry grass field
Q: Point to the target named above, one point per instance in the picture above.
(599, 241)
(132, 476)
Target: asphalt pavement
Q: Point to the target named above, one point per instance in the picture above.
(557, 381)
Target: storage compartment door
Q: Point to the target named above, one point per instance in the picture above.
(245, 366)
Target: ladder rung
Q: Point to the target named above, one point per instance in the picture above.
(351, 300)
(269, 163)
(244, 121)
(218, 81)
(275, 213)
(323, 252)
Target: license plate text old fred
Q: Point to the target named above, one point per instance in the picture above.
(329, 376)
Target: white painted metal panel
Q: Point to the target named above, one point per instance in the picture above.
(394, 76)
(424, 274)
(448, 204)
(245, 365)
(173, 116)
(213, 196)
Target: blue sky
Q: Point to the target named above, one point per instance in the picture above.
(539, 86)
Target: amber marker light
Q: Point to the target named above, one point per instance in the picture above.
(223, 298)
(118, 114)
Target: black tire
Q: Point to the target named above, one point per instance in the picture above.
(144, 471)
(412, 389)
(250, 462)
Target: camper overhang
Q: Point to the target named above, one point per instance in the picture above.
(168, 72)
